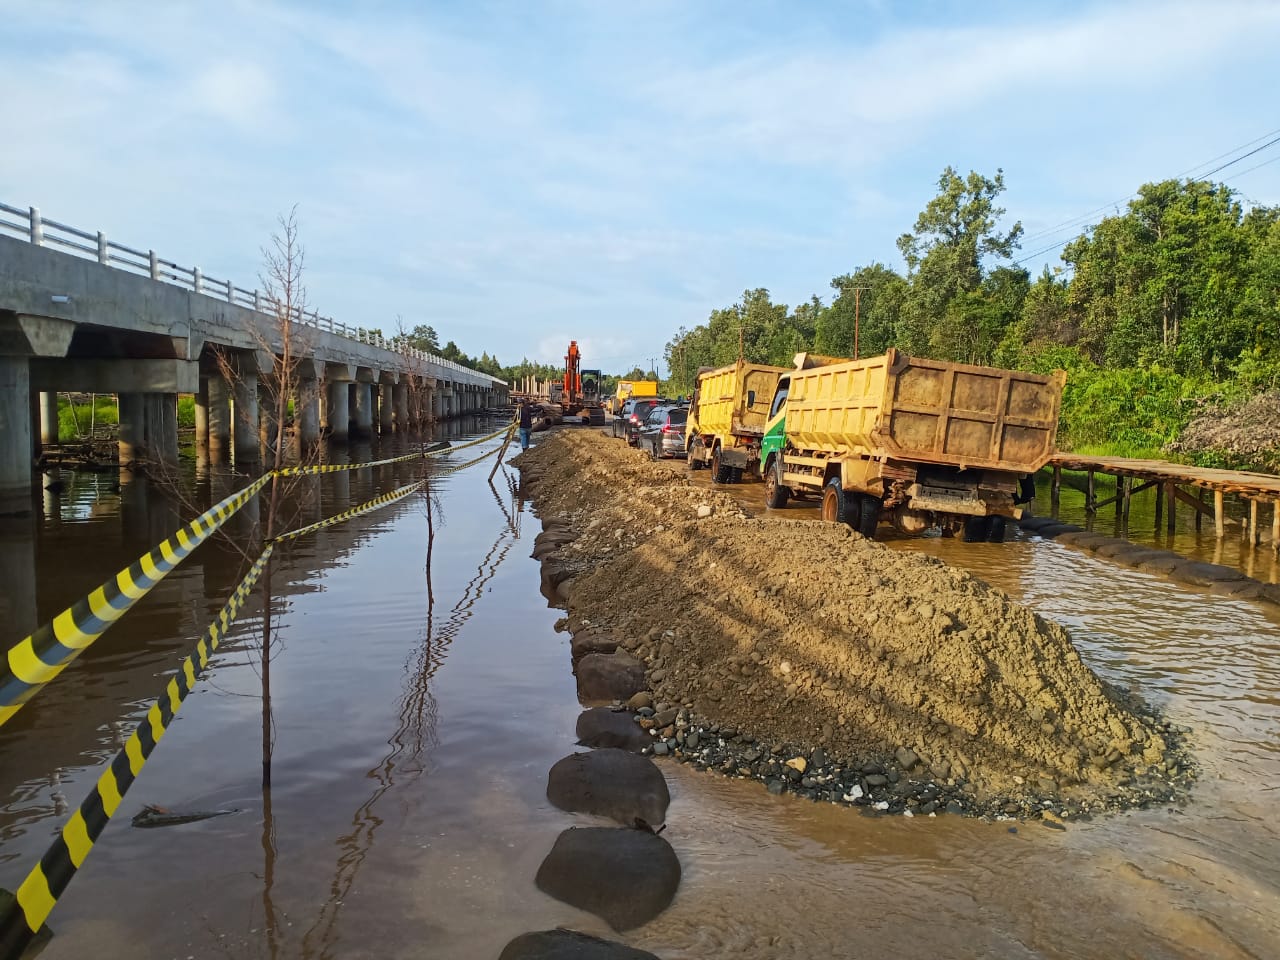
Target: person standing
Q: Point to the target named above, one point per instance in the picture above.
(525, 423)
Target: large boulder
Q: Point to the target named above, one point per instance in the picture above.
(569, 945)
(625, 877)
(603, 677)
(602, 727)
(591, 641)
(611, 783)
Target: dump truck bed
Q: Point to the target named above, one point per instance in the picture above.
(734, 400)
(930, 411)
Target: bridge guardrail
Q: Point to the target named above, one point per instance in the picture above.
(43, 232)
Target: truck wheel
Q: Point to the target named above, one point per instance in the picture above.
(694, 455)
(775, 494)
(719, 473)
(977, 529)
(868, 515)
(836, 505)
(996, 535)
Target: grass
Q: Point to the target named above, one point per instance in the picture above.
(74, 419)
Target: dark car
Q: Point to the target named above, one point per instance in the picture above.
(620, 418)
(632, 419)
(663, 433)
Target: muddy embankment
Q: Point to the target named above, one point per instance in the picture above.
(800, 654)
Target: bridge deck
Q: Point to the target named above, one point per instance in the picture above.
(1243, 483)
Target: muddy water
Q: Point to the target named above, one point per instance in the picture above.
(421, 694)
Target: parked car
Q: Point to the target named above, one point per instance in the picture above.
(631, 421)
(663, 433)
(620, 418)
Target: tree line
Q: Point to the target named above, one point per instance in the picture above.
(1158, 310)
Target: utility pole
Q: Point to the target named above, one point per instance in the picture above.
(857, 301)
(652, 368)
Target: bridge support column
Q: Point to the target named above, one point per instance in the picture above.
(15, 436)
(244, 425)
(202, 419)
(268, 421)
(363, 409)
(400, 401)
(161, 430)
(218, 414)
(337, 410)
(386, 409)
(307, 412)
(433, 404)
(48, 417)
(133, 427)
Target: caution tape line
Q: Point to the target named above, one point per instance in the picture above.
(40, 890)
(37, 659)
(381, 501)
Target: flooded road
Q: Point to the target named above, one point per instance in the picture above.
(421, 694)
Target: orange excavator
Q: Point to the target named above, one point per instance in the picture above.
(581, 396)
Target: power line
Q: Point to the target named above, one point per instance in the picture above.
(1204, 176)
(1083, 218)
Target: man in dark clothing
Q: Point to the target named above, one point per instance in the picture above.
(525, 423)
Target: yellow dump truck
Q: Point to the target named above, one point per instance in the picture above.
(915, 442)
(727, 419)
(632, 388)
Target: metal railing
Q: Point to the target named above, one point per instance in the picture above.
(44, 232)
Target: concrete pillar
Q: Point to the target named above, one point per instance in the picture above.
(18, 611)
(15, 435)
(48, 417)
(268, 421)
(400, 401)
(307, 412)
(338, 410)
(218, 412)
(433, 403)
(160, 430)
(244, 424)
(386, 409)
(364, 409)
(202, 418)
(133, 427)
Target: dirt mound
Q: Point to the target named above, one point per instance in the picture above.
(1244, 435)
(805, 634)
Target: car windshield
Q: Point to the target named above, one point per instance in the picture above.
(678, 417)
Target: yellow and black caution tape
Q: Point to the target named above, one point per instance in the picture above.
(44, 884)
(39, 658)
(39, 892)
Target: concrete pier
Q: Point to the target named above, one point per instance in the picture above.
(244, 422)
(218, 403)
(400, 402)
(337, 410)
(362, 414)
(307, 413)
(386, 409)
(48, 417)
(15, 427)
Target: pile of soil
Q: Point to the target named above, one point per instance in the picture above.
(1244, 435)
(805, 635)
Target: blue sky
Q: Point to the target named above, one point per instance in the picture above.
(519, 174)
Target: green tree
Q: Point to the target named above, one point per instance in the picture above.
(872, 296)
(944, 255)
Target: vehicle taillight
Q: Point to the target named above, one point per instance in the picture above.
(670, 428)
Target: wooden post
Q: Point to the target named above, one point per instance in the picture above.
(1275, 525)
(1055, 490)
(1120, 488)
(1219, 515)
(1173, 506)
(1090, 499)
(1128, 496)
(1254, 537)
(1159, 488)
(1199, 513)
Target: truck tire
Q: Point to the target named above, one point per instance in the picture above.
(694, 454)
(868, 515)
(977, 529)
(837, 507)
(719, 472)
(775, 494)
(996, 533)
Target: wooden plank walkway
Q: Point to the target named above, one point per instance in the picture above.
(1133, 476)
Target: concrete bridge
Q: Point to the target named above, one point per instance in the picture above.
(79, 312)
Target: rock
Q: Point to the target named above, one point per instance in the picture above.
(602, 727)
(798, 763)
(877, 780)
(784, 667)
(664, 718)
(704, 511)
(640, 701)
(776, 787)
(660, 749)
(569, 945)
(626, 877)
(590, 641)
(610, 783)
(609, 676)
(906, 757)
